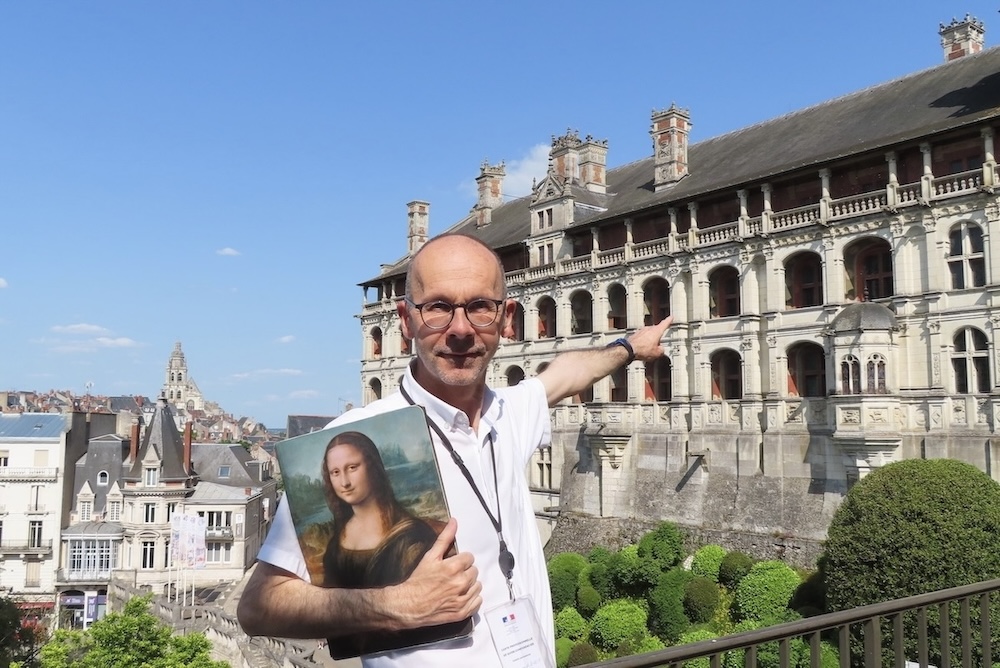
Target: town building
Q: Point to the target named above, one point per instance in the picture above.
(834, 283)
(179, 387)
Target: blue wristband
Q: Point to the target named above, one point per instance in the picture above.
(623, 342)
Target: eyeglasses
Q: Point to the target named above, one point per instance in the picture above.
(480, 312)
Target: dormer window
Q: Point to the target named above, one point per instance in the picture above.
(151, 477)
(102, 478)
(224, 471)
(86, 509)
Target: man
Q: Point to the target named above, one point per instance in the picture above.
(455, 312)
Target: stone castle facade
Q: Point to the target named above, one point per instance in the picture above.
(834, 280)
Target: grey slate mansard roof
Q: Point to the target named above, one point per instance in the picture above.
(962, 92)
(864, 316)
(166, 441)
(32, 425)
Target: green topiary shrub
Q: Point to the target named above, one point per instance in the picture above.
(707, 560)
(563, 648)
(733, 567)
(912, 527)
(701, 598)
(562, 583)
(588, 600)
(663, 545)
(567, 561)
(570, 624)
(599, 555)
(617, 622)
(666, 606)
(582, 654)
(631, 574)
(766, 590)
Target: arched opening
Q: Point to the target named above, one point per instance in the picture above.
(376, 342)
(655, 300)
(617, 307)
(803, 280)
(727, 375)
(966, 262)
(375, 387)
(806, 370)
(869, 269)
(546, 318)
(970, 362)
(515, 375)
(517, 322)
(582, 311)
(724, 292)
(658, 380)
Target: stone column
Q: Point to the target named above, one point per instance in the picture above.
(927, 180)
(892, 188)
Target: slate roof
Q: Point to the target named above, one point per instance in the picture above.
(210, 492)
(306, 424)
(162, 436)
(32, 425)
(94, 529)
(962, 92)
(864, 316)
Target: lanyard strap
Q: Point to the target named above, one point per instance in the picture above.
(505, 559)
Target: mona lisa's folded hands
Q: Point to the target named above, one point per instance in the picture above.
(441, 588)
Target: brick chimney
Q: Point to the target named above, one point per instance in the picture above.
(593, 160)
(188, 427)
(490, 186)
(962, 38)
(417, 214)
(670, 131)
(133, 446)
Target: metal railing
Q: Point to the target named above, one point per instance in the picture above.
(859, 635)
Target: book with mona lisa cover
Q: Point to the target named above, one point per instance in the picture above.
(367, 502)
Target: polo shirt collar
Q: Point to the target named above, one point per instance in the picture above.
(447, 415)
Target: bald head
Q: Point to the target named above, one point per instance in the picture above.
(457, 251)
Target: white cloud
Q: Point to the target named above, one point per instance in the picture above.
(518, 174)
(303, 394)
(117, 342)
(3, 282)
(288, 338)
(80, 328)
(227, 251)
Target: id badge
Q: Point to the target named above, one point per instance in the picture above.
(517, 636)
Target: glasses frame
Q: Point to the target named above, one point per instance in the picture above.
(497, 303)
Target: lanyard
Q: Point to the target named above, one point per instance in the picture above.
(505, 558)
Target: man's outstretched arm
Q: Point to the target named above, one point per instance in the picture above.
(576, 370)
(277, 603)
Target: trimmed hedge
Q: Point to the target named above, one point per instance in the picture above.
(766, 590)
(570, 624)
(563, 648)
(618, 622)
(701, 598)
(588, 600)
(707, 560)
(912, 527)
(582, 654)
(667, 618)
(733, 568)
(663, 545)
(632, 575)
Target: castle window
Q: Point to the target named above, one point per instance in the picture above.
(114, 511)
(376, 342)
(727, 375)
(86, 509)
(543, 468)
(151, 477)
(876, 374)
(804, 281)
(850, 375)
(970, 362)
(806, 370)
(724, 292)
(546, 318)
(658, 380)
(619, 385)
(582, 309)
(102, 478)
(655, 301)
(375, 387)
(517, 322)
(869, 267)
(148, 554)
(149, 513)
(617, 307)
(180, 376)
(515, 375)
(966, 263)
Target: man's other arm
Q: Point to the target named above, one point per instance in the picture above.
(576, 370)
(279, 604)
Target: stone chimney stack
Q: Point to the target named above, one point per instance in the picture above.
(490, 186)
(133, 445)
(670, 131)
(417, 214)
(962, 38)
(593, 161)
(564, 156)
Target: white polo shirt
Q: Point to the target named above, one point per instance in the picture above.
(517, 418)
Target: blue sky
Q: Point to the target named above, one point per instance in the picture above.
(223, 174)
